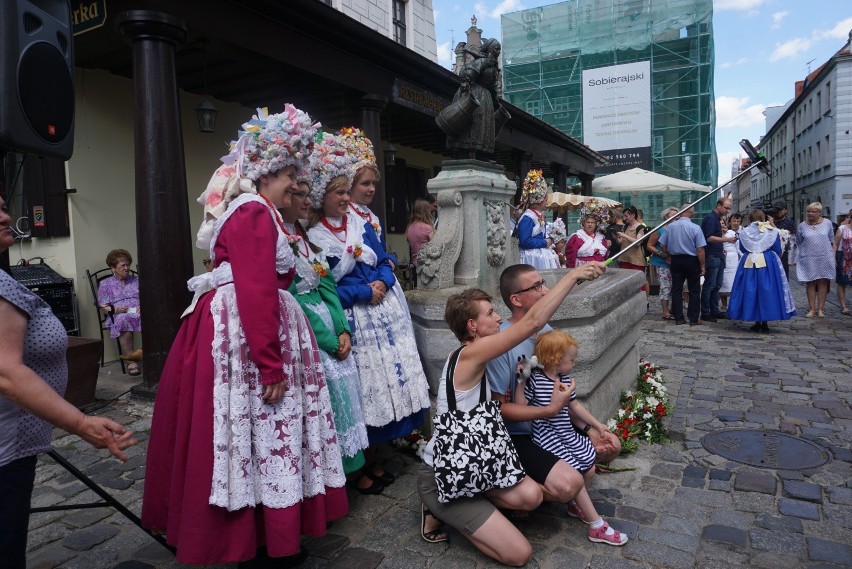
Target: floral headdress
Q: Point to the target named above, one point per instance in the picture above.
(268, 143)
(304, 176)
(359, 146)
(596, 209)
(330, 158)
(535, 187)
(223, 186)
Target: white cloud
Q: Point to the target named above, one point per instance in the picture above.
(735, 112)
(741, 5)
(790, 48)
(740, 61)
(502, 7)
(436, 14)
(841, 30)
(777, 17)
(445, 54)
(725, 161)
(794, 47)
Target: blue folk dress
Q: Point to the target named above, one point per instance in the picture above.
(761, 291)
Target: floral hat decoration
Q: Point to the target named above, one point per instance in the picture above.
(268, 143)
(330, 159)
(359, 146)
(535, 187)
(596, 209)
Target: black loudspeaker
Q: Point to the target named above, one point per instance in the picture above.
(36, 77)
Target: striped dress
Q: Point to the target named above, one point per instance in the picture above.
(557, 434)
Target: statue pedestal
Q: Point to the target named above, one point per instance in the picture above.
(472, 247)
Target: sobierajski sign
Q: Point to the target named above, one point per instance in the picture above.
(617, 115)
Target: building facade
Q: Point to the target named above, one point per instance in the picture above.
(809, 146)
(547, 51)
(407, 22)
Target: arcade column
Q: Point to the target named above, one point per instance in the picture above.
(371, 107)
(162, 209)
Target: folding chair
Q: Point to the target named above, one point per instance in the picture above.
(95, 282)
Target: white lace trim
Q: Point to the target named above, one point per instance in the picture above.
(274, 455)
(538, 224)
(373, 218)
(393, 384)
(284, 257)
(591, 245)
(321, 236)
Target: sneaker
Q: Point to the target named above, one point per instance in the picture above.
(575, 512)
(601, 535)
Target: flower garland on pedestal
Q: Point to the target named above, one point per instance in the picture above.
(640, 417)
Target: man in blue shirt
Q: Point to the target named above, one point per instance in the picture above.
(683, 246)
(714, 255)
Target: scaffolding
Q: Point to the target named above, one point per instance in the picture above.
(546, 49)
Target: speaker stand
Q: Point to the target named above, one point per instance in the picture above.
(108, 500)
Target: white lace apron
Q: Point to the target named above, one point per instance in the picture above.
(393, 384)
(275, 455)
(344, 385)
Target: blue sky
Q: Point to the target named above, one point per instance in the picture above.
(762, 48)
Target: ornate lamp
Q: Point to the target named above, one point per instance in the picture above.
(205, 111)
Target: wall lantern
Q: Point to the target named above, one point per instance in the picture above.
(205, 111)
(390, 155)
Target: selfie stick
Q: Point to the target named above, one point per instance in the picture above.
(758, 160)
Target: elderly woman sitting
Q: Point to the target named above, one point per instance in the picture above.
(118, 298)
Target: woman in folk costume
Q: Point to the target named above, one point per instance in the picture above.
(364, 183)
(316, 291)
(761, 291)
(243, 457)
(587, 244)
(533, 241)
(394, 391)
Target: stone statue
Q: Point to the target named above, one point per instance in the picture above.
(474, 118)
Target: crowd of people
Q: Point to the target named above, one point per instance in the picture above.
(700, 266)
(294, 360)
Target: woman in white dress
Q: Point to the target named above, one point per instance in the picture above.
(732, 258)
(815, 264)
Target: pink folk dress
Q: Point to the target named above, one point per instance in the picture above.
(226, 472)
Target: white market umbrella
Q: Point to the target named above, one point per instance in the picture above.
(637, 180)
(561, 202)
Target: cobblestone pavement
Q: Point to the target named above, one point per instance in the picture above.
(681, 507)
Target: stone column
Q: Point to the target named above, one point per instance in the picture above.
(586, 183)
(162, 210)
(371, 107)
(559, 174)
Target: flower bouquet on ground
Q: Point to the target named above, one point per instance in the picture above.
(415, 442)
(640, 417)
